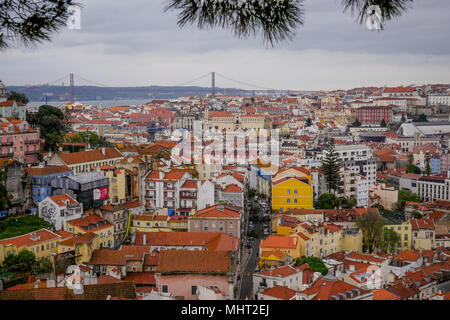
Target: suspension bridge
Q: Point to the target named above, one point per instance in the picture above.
(213, 79)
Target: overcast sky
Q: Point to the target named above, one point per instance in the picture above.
(134, 43)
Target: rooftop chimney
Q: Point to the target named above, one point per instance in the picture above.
(104, 151)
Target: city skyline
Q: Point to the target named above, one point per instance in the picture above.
(409, 51)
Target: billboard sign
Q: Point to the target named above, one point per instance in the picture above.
(101, 193)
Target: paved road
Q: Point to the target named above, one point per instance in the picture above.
(247, 275)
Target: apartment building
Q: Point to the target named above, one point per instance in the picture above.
(59, 209)
(374, 115)
(358, 158)
(85, 161)
(162, 189)
(19, 141)
(217, 218)
(433, 188)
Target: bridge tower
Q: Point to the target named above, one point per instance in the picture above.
(72, 85)
(213, 83)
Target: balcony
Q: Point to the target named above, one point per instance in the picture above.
(7, 155)
(6, 143)
(31, 141)
(31, 152)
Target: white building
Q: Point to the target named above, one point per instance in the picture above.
(285, 276)
(362, 191)
(433, 188)
(439, 99)
(358, 158)
(59, 209)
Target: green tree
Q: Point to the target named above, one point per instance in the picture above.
(274, 20)
(390, 240)
(308, 122)
(427, 165)
(251, 193)
(326, 201)
(21, 262)
(32, 21)
(51, 124)
(371, 225)
(383, 124)
(405, 196)
(347, 203)
(330, 167)
(315, 263)
(18, 97)
(52, 140)
(411, 168)
(403, 120)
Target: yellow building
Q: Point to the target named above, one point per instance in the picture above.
(291, 192)
(178, 223)
(117, 183)
(83, 245)
(319, 240)
(404, 230)
(150, 223)
(287, 245)
(95, 224)
(252, 121)
(352, 240)
(43, 243)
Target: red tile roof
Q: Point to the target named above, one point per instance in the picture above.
(283, 272)
(383, 294)
(232, 188)
(280, 292)
(42, 235)
(213, 241)
(187, 261)
(324, 289)
(277, 241)
(47, 170)
(217, 211)
(62, 199)
(90, 220)
(90, 156)
(141, 278)
(118, 257)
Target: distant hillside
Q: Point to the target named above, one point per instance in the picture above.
(84, 93)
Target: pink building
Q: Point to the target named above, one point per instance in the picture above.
(184, 273)
(218, 218)
(19, 141)
(445, 162)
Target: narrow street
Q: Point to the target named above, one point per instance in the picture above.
(247, 274)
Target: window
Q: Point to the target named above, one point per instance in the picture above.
(104, 269)
(295, 191)
(288, 191)
(48, 246)
(42, 248)
(288, 200)
(194, 290)
(165, 288)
